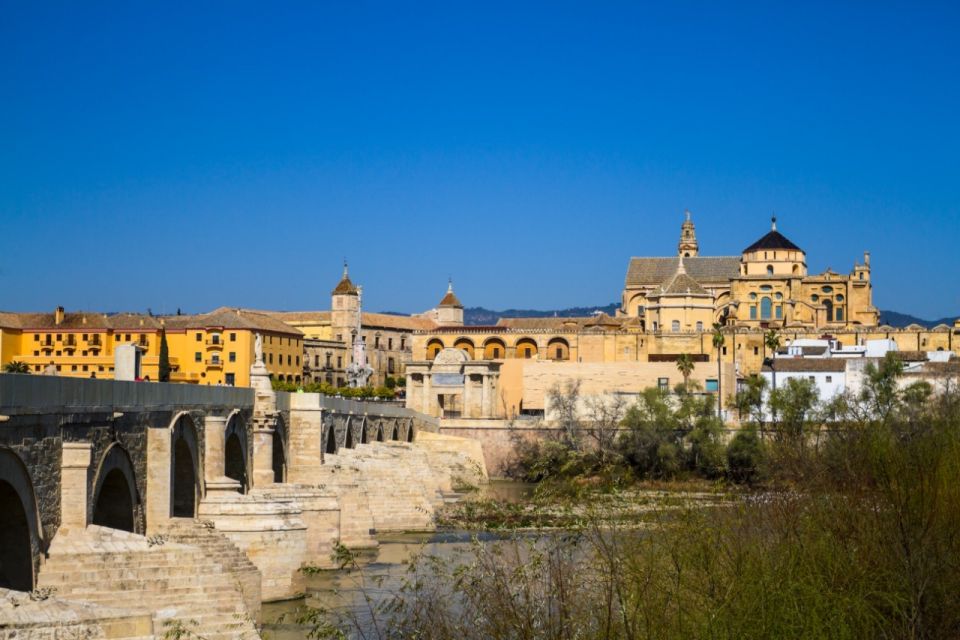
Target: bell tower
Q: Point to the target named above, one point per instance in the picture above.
(688, 247)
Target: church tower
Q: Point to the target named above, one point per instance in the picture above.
(345, 308)
(688, 247)
(450, 311)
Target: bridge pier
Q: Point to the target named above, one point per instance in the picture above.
(74, 469)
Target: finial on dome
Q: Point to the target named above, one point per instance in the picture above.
(687, 213)
(344, 267)
(773, 222)
(449, 284)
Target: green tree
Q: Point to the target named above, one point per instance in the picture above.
(164, 357)
(685, 367)
(718, 341)
(750, 399)
(15, 366)
(794, 406)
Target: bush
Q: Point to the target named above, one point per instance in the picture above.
(745, 456)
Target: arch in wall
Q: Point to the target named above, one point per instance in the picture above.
(434, 346)
(466, 344)
(380, 437)
(494, 349)
(637, 304)
(20, 524)
(235, 459)
(396, 432)
(558, 349)
(410, 431)
(330, 437)
(184, 468)
(526, 348)
(115, 497)
(828, 304)
(364, 425)
(766, 308)
(279, 462)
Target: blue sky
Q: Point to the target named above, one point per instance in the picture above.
(193, 155)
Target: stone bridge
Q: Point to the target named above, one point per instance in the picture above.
(120, 477)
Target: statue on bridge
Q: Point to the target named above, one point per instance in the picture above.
(359, 372)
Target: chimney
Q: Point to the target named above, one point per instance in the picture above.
(58, 316)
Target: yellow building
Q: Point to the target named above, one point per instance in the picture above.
(670, 306)
(211, 348)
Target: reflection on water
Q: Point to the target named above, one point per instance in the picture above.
(380, 572)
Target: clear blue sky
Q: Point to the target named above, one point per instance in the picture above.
(193, 155)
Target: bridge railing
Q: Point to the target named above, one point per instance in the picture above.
(28, 394)
(315, 401)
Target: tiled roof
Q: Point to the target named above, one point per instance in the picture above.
(812, 365)
(345, 287)
(703, 269)
(9, 320)
(450, 300)
(390, 321)
(88, 320)
(298, 317)
(679, 284)
(230, 318)
(549, 323)
(773, 240)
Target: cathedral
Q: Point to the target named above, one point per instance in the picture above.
(766, 286)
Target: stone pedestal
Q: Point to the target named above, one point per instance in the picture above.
(269, 530)
(214, 435)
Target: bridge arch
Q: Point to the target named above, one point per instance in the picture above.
(410, 431)
(329, 437)
(235, 447)
(380, 437)
(280, 450)
(396, 432)
(364, 426)
(348, 440)
(20, 535)
(184, 468)
(116, 501)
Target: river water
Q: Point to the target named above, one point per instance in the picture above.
(379, 573)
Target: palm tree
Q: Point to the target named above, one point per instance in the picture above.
(15, 366)
(685, 367)
(718, 341)
(771, 339)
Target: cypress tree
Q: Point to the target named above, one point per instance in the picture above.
(164, 357)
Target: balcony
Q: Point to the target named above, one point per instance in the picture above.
(213, 344)
(214, 363)
(143, 343)
(47, 346)
(70, 343)
(94, 343)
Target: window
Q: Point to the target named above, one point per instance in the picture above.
(199, 337)
(663, 384)
(403, 342)
(839, 297)
(861, 275)
(769, 269)
(724, 351)
(233, 338)
(827, 289)
(100, 368)
(829, 378)
(814, 298)
(328, 360)
(73, 367)
(86, 368)
(390, 344)
(391, 367)
(297, 360)
(126, 338)
(766, 308)
(197, 356)
(496, 352)
(811, 378)
(215, 358)
(339, 362)
(230, 379)
(84, 352)
(675, 326)
(699, 326)
(270, 356)
(60, 337)
(753, 312)
(215, 338)
(58, 353)
(839, 314)
(376, 342)
(756, 351)
(36, 353)
(711, 386)
(779, 312)
(289, 360)
(36, 337)
(526, 352)
(232, 356)
(84, 337)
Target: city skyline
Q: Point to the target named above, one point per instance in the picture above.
(234, 156)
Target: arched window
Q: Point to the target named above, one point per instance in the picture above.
(766, 308)
(829, 305)
(434, 347)
(675, 326)
(769, 269)
(699, 326)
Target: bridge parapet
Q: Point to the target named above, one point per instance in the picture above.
(31, 394)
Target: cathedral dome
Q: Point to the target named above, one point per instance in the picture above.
(773, 241)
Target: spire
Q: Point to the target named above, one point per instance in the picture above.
(450, 299)
(345, 286)
(449, 285)
(688, 245)
(346, 275)
(773, 222)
